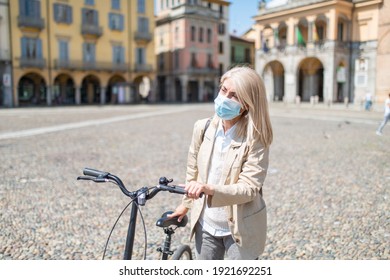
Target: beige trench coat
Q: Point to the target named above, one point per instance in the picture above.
(244, 172)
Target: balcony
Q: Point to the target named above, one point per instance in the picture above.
(143, 67)
(29, 62)
(80, 65)
(31, 22)
(143, 36)
(202, 71)
(91, 29)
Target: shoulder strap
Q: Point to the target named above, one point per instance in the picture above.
(205, 127)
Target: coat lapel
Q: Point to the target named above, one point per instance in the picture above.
(206, 149)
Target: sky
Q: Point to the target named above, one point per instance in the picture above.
(241, 13)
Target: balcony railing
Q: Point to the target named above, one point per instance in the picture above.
(32, 22)
(28, 62)
(89, 65)
(143, 36)
(202, 70)
(90, 29)
(143, 67)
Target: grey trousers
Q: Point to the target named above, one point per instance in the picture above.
(386, 118)
(209, 247)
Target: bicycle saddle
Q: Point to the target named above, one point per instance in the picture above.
(164, 221)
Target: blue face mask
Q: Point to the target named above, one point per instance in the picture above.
(226, 108)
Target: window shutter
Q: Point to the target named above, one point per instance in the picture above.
(39, 48)
(69, 14)
(23, 42)
(121, 23)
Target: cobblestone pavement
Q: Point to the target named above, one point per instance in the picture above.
(327, 191)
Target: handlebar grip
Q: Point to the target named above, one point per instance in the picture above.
(94, 173)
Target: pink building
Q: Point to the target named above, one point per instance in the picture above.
(192, 48)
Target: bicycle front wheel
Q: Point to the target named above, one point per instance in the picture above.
(182, 253)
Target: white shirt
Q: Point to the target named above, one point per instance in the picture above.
(214, 220)
(387, 106)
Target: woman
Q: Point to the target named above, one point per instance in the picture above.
(228, 162)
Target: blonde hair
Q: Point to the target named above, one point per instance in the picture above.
(250, 90)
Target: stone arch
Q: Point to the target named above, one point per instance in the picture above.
(90, 90)
(63, 90)
(311, 79)
(273, 76)
(31, 90)
(116, 89)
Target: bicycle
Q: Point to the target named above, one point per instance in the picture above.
(139, 198)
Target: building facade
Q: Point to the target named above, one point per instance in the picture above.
(318, 50)
(82, 51)
(5, 56)
(192, 48)
(242, 51)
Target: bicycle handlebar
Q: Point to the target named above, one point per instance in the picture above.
(142, 194)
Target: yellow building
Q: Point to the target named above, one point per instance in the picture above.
(323, 51)
(82, 51)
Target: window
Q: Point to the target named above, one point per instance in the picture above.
(201, 34)
(161, 62)
(141, 6)
(221, 29)
(193, 60)
(220, 47)
(209, 34)
(118, 54)
(340, 31)
(210, 61)
(115, 21)
(233, 54)
(62, 13)
(90, 17)
(193, 33)
(63, 50)
(220, 11)
(176, 57)
(89, 2)
(31, 48)
(247, 55)
(176, 33)
(30, 8)
(115, 4)
(140, 56)
(143, 25)
(89, 52)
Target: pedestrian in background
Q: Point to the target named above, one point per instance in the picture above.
(368, 101)
(227, 162)
(386, 116)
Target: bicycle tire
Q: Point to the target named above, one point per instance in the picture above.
(182, 253)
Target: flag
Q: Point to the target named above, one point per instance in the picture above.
(276, 37)
(315, 34)
(301, 40)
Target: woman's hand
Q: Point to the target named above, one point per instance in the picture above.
(180, 212)
(194, 189)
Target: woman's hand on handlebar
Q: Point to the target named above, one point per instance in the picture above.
(180, 212)
(195, 189)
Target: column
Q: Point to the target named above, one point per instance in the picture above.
(49, 95)
(78, 95)
(184, 81)
(102, 95)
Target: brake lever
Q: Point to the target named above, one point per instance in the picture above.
(85, 178)
(96, 180)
